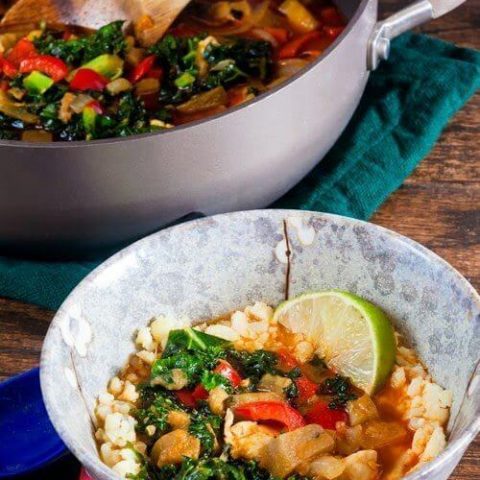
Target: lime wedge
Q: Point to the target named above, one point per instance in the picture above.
(353, 336)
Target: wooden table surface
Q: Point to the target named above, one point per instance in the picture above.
(439, 206)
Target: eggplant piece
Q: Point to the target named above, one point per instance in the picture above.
(361, 410)
(282, 455)
(242, 398)
(275, 384)
(379, 434)
(174, 446)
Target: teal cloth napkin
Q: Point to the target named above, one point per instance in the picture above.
(407, 103)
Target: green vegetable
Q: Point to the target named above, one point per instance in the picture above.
(89, 117)
(251, 57)
(254, 364)
(209, 469)
(193, 352)
(156, 404)
(341, 390)
(205, 426)
(37, 82)
(190, 365)
(185, 80)
(212, 380)
(193, 340)
(108, 39)
(110, 66)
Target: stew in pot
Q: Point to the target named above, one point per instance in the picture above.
(67, 84)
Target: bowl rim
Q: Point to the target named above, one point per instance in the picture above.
(93, 462)
(360, 9)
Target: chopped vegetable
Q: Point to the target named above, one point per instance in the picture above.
(341, 390)
(282, 455)
(36, 136)
(190, 339)
(280, 34)
(298, 16)
(37, 82)
(324, 416)
(204, 101)
(89, 117)
(15, 110)
(279, 412)
(55, 68)
(226, 370)
(306, 389)
(23, 50)
(186, 397)
(286, 360)
(119, 85)
(86, 79)
(110, 66)
(295, 46)
(8, 68)
(143, 67)
(108, 39)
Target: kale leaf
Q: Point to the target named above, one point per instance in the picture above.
(210, 469)
(252, 57)
(253, 365)
(155, 407)
(212, 380)
(205, 426)
(77, 51)
(192, 340)
(341, 390)
(193, 352)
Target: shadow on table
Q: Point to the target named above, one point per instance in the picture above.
(67, 468)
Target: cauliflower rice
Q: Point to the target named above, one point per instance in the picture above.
(410, 397)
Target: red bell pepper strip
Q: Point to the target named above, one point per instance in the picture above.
(331, 17)
(227, 371)
(95, 105)
(155, 73)
(142, 68)
(278, 33)
(86, 79)
(84, 475)
(306, 388)
(8, 68)
(190, 398)
(200, 393)
(333, 32)
(55, 68)
(325, 417)
(286, 359)
(186, 398)
(279, 412)
(22, 50)
(294, 47)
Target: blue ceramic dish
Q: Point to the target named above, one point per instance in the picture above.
(28, 440)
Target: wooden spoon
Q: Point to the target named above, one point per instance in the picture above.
(151, 18)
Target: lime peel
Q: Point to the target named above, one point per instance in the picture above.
(351, 334)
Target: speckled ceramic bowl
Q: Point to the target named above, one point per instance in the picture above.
(207, 267)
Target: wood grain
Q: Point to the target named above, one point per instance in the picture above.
(439, 206)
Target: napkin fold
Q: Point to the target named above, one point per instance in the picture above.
(407, 103)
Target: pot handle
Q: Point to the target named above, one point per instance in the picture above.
(406, 19)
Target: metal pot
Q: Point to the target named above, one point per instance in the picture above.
(82, 195)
